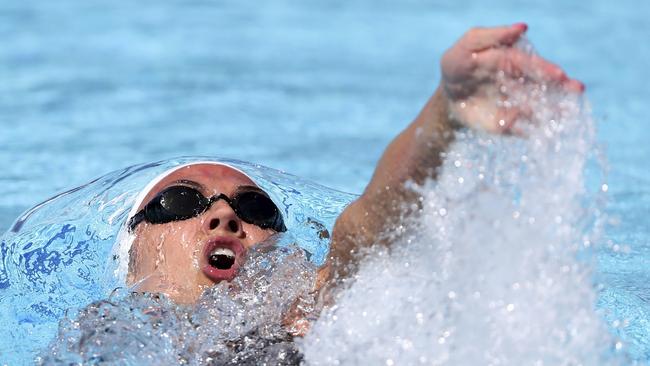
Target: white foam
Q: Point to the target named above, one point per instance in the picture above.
(494, 270)
(240, 322)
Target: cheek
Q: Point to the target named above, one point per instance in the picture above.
(166, 245)
(181, 241)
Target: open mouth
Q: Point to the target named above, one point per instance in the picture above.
(222, 257)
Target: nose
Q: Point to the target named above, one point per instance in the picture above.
(221, 217)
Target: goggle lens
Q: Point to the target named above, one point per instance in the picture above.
(178, 203)
(183, 201)
(256, 209)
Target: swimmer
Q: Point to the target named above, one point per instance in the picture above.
(194, 225)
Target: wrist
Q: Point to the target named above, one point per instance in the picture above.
(441, 117)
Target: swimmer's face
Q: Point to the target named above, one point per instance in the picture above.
(183, 258)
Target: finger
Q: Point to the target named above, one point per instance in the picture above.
(575, 86)
(506, 121)
(523, 122)
(479, 39)
(543, 71)
(511, 61)
(515, 63)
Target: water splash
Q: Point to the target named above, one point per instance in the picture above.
(233, 323)
(497, 267)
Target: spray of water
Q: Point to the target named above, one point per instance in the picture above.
(244, 322)
(496, 268)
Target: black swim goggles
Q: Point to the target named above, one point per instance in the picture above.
(180, 202)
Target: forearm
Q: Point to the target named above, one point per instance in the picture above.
(414, 155)
(473, 74)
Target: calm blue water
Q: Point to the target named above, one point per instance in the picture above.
(315, 89)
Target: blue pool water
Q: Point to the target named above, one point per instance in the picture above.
(317, 90)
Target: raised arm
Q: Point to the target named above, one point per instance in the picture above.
(469, 95)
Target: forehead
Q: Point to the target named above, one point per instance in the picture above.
(213, 178)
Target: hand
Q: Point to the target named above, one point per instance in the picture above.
(485, 68)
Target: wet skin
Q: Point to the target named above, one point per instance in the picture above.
(170, 257)
(470, 93)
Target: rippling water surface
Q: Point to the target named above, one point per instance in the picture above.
(314, 89)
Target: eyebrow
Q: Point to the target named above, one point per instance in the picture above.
(200, 187)
(190, 183)
(250, 188)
